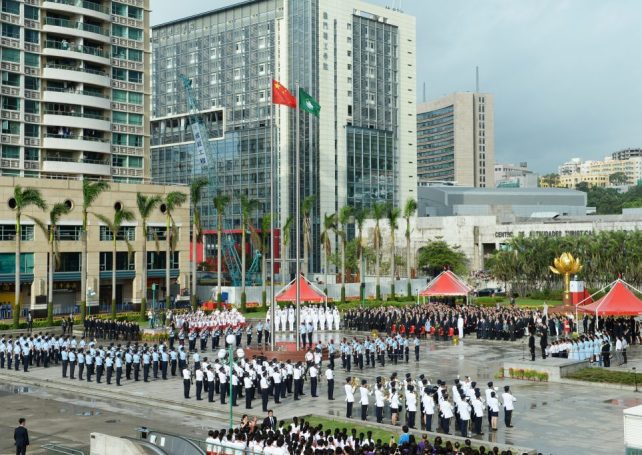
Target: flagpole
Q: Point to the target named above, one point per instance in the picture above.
(272, 155)
(297, 191)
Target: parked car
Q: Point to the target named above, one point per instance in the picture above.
(489, 292)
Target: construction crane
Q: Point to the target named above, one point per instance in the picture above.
(202, 144)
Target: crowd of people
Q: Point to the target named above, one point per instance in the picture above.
(111, 329)
(298, 436)
(320, 317)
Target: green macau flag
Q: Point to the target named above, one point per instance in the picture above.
(308, 104)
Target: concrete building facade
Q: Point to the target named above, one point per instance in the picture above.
(515, 176)
(75, 89)
(356, 59)
(456, 140)
(600, 172)
(66, 289)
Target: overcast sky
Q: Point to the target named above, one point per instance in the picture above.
(566, 74)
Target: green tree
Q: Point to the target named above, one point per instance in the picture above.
(393, 221)
(51, 233)
(618, 178)
(329, 226)
(437, 255)
(114, 225)
(378, 213)
(21, 200)
(306, 209)
(550, 180)
(606, 201)
(90, 192)
(172, 201)
(221, 202)
(266, 237)
(343, 219)
(248, 206)
(409, 211)
(146, 205)
(195, 191)
(360, 216)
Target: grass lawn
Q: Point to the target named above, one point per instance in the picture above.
(377, 433)
(537, 302)
(605, 375)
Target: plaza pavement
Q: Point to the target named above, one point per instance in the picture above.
(554, 418)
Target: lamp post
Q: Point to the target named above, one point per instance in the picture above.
(635, 378)
(153, 304)
(231, 340)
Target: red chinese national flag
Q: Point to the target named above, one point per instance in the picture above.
(281, 95)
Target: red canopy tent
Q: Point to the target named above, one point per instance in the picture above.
(308, 292)
(619, 301)
(446, 284)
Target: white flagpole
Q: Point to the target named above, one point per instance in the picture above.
(297, 190)
(271, 237)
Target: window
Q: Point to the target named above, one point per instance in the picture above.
(8, 232)
(261, 42)
(8, 263)
(239, 47)
(119, 9)
(135, 119)
(156, 232)
(10, 151)
(31, 13)
(136, 162)
(32, 154)
(11, 103)
(32, 59)
(237, 73)
(119, 117)
(124, 261)
(32, 83)
(10, 30)
(119, 96)
(136, 77)
(119, 139)
(69, 233)
(12, 79)
(125, 232)
(135, 140)
(119, 74)
(32, 36)
(156, 260)
(136, 98)
(119, 30)
(135, 55)
(32, 130)
(135, 33)
(10, 6)
(261, 69)
(9, 127)
(10, 55)
(32, 107)
(135, 13)
(119, 52)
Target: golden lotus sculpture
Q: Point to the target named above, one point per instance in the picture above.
(566, 265)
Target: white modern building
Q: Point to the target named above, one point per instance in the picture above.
(456, 140)
(75, 89)
(515, 176)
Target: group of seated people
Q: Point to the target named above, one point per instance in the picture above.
(302, 437)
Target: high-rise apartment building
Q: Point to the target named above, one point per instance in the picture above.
(456, 140)
(356, 59)
(75, 89)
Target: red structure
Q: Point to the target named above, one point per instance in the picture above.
(446, 284)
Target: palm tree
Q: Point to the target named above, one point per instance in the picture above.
(50, 231)
(22, 198)
(90, 192)
(306, 209)
(172, 201)
(264, 247)
(146, 205)
(360, 216)
(220, 202)
(344, 218)
(409, 211)
(285, 242)
(195, 190)
(248, 206)
(329, 225)
(378, 212)
(114, 225)
(393, 221)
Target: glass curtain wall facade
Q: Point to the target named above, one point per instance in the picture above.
(436, 145)
(229, 56)
(75, 89)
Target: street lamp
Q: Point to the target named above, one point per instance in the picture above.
(153, 304)
(231, 341)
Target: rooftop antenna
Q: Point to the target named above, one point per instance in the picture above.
(424, 91)
(477, 79)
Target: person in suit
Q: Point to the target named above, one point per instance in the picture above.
(21, 437)
(270, 421)
(531, 346)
